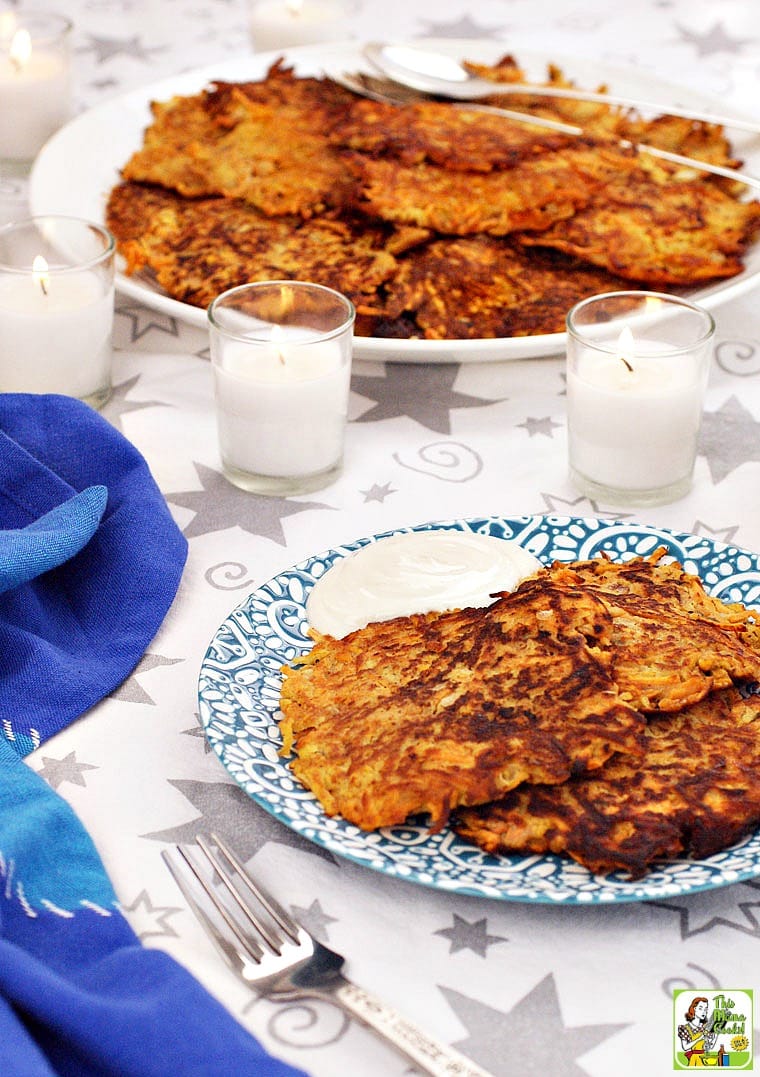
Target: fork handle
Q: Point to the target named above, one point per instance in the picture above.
(428, 1055)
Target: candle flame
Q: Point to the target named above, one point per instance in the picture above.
(625, 347)
(40, 273)
(21, 49)
(294, 6)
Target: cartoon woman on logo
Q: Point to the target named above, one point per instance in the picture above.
(696, 1035)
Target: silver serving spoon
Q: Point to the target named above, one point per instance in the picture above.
(436, 73)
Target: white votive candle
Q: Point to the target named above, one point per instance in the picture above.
(282, 408)
(57, 340)
(278, 24)
(633, 429)
(35, 82)
(637, 367)
(56, 308)
(281, 353)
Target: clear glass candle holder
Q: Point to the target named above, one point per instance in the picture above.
(281, 353)
(637, 369)
(56, 308)
(35, 83)
(280, 24)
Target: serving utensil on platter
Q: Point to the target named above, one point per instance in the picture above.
(270, 951)
(391, 92)
(436, 73)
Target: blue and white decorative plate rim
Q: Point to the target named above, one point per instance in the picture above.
(239, 689)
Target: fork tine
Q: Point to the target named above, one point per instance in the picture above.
(273, 940)
(250, 942)
(229, 951)
(275, 910)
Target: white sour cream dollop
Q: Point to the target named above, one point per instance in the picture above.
(415, 572)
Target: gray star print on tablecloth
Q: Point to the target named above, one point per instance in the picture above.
(461, 28)
(130, 691)
(736, 908)
(139, 321)
(199, 733)
(578, 506)
(314, 919)
(530, 1039)
(104, 84)
(463, 935)
(545, 426)
(105, 48)
(377, 492)
(57, 771)
(118, 404)
(423, 394)
(228, 811)
(716, 39)
(220, 505)
(717, 534)
(729, 437)
(154, 917)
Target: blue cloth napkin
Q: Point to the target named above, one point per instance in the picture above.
(26, 552)
(79, 995)
(90, 561)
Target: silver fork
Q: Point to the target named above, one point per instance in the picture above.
(394, 93)
(269, 950)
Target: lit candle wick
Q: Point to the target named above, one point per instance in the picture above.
(40, 273)
(277, 335)
(625, 348)
(20, 50)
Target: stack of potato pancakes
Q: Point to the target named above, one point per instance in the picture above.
(601, 710)
(438, 222)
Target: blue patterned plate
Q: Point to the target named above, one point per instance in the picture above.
(239, 691)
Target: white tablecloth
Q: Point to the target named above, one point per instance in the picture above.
(522, 989)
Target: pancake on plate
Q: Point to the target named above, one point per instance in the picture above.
(297, 177)
(696, 791)
(423, 713)
(263, 143)
(464, 287)
(662, 232)
(602, 698)
(196, 249)
(672, 642)
(533, 194)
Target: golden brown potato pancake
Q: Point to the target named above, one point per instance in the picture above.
(545, 694)
(453, 138)
(380, 180)
(663, 233)
(672, 642)
(696, 790)
(655, 577)
(479, 286)
(424, 713)
(264, 144)
(599, 119)
(690, 138)
(198, 248)
(534, 194)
